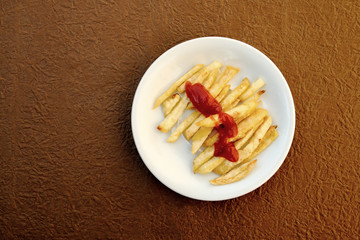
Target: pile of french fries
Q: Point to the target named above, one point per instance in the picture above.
(255, 130)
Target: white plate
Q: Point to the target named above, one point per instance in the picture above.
(171, 163)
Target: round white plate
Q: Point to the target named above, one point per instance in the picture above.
(171, 163)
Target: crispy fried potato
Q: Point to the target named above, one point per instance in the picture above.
(238, 113)
(203, 157)
(214, 162)
(259, 83)
(201, 76)
(241, 142)
(208, 166)
(185, 124)
(256, 96)
(269, 137)
(235, 174)
(180, 81)
(189, 133)
(199, 138)
(255, 139)
(170, 103)
(243, 127)
(234, 94)
(224, 78)
(174, 115)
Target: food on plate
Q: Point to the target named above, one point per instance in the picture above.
(170, 103)
(173, 87)
(225, 126)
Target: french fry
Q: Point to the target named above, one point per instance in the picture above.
(269, 137)
(202, 75)
(211, 164)
(235, 174)
(243, 127)
(234, 94)
(181, 128)
(180, 81)
(255, 139)
(256, 96)
(238, 113)
(189, 133)
(199, 138)
(170, 103)
(259, 83)
(174, 115)
(203, 157)
(224, 78)
(214, 162)
(193, 128)
(253, 97)
(241, 142)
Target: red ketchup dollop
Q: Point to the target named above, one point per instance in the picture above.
(227, 129)
(205, 103)
(202, 99)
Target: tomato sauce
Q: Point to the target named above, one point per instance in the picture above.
(227, 129)
(202, 99)
(205, 103)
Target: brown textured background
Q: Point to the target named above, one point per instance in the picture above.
(68, 164)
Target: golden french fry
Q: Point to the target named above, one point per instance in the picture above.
(269, 137)
(253, 97)
(256, 96)
(241, 142)
(259, 83)
(234, 94)
(208, 166)
(199, 138)
(224, 78)
(174, 115)
(170, 103)
(202, 75)
(235, 174)
(238, 113)
(214, 162)
(243, 127)
(255, 139)
(173, 87)
(185, 124)
(189, 133)
(203, 157)
(193, 128)
(248, 123)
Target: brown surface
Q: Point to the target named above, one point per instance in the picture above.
(68, 164)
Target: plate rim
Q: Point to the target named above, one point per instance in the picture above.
(249, 188)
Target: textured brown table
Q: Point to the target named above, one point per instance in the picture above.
(68, 164)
